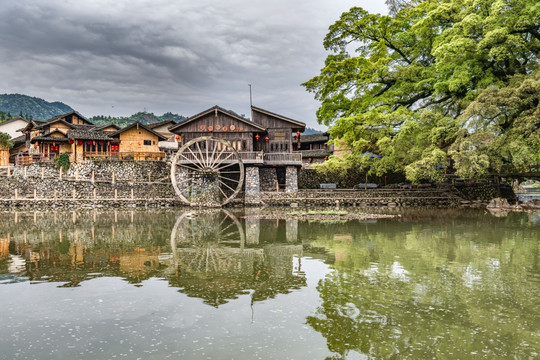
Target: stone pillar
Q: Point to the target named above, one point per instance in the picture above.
(253, 226)
(253, 192)
(291, 178)
(291, 230)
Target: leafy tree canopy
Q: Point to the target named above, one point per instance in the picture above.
(5, 141)
(434, 78)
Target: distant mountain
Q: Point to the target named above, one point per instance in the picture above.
(13, 105)
(310, 131)
(142, 117)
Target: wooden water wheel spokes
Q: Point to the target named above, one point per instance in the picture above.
(200, 238)
(207, 171)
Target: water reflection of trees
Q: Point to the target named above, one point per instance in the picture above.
(210, 257)
(457, 289)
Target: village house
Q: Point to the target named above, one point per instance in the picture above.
(12, 126)
(314, 148)
(73, 134)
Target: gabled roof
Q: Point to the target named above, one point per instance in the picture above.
(218, 109)
(160, 137)
(280, 117)
(314, 138)
(15, 119)
(48, 137)
(19, 140)
(161, 123)
(101, 127)
(88, 134)
(60, 118)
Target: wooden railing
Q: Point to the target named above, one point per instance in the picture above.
(221, 157)
(283, 158)
(139, 155)
(25, 159)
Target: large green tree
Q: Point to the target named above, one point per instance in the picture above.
(432, 80)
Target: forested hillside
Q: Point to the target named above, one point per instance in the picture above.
(142, 117)
(13, 105)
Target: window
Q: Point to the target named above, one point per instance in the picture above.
(147, 142)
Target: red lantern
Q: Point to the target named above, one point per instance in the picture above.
(89, 142)
(326, 158)
(266, 138)
(70, 141)
(257, 137)
(100, 142)
(310, 159)
(79, 142)
(298, 133)
(177, 137)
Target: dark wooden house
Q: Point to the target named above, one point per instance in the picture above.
(264, 143)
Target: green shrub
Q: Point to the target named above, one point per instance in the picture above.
(62, 161)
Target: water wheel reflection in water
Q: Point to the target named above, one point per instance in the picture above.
(210, 242)
(207, 171)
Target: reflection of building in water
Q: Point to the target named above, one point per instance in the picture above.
(4, 248)
(216, 258)
(229, 263)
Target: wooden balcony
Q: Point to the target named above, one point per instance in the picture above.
(248, 158)
(283, 159)
(226, 157)
(140, 156)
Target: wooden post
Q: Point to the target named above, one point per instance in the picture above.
(277, 186)
(74, 194)
(16, 198)
(115, 216)
(95, 194)
(77, 174)
(35, 217)
(9, 170)
(55, 198)
(42, 173)
(93, 176)
(60, 173)
(35, 194)
(115, 194)
(132, 177)
(149, 176)
(113, 177)
(25, 171)
(74, 217)
(131, 193)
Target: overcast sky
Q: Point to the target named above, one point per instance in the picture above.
(119, 57)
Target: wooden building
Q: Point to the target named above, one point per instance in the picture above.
(314, 148)
(73, 134)
(264, 147)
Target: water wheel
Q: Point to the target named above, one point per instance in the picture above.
(207, 172)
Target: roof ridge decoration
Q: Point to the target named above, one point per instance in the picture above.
(215, 110)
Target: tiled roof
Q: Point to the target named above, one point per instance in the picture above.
(88, 134)
(314, 138)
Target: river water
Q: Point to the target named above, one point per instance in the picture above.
(428, 284)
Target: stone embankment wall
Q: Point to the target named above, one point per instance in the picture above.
(310, 179)
(392, 198)
(133, 184)
(148, 184)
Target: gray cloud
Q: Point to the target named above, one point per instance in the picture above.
(117, 58)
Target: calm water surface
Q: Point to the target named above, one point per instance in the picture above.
(430, 284)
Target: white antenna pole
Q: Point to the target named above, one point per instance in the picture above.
(250, 103)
